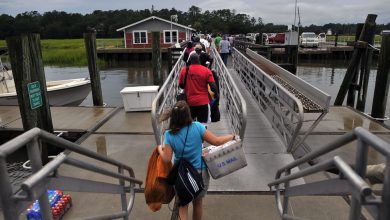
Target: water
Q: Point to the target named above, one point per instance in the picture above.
(113, 80)
(329, 76)
(325, 75)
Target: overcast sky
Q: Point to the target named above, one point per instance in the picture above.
(271, 11)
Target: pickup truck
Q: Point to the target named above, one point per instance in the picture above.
(308, 39)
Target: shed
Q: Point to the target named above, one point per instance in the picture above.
(139, 34)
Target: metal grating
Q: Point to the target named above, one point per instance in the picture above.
(17, 174)
(309, 106)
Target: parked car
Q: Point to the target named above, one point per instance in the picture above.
(264, 38)
(277, 38)
(251, 37)
(308, 39)
(321, 38)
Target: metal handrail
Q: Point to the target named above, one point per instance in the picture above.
(233, 99)
(350, 181)
(282, 109)
(15, 201)
(166, 97)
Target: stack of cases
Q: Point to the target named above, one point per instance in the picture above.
(59, 203)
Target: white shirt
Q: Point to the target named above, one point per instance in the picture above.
(205, 43)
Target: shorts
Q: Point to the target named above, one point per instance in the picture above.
(206, 182)
(200, 113)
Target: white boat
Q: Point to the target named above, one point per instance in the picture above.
(70, 92)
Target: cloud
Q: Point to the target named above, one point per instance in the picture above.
(271, 11)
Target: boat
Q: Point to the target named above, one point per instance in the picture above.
(69, 92)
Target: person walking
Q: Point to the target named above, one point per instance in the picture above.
(188, 50)
(225, 50)
(204, 58)
(181, 127)
(217, 42)
(196, 88)
(206, 43)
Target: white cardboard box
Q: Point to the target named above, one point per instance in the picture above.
(138, 98)
(224, 159)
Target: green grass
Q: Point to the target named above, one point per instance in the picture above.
(346, 38)
(70, 52)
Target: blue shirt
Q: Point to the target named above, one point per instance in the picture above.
(193, 150)
(225, 46)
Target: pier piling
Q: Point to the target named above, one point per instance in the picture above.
(382, 79)
(361, 57)
(156, 59)
(90, 47)
(30, 83)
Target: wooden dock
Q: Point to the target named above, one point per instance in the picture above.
(71, 119)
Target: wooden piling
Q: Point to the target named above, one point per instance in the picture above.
(382, 79)
(369, 27)
(156, 59)
(353, 87)
(365, 64)
(170, 60)
(90, 47)
(27, 69)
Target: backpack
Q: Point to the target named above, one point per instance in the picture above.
(186, 180)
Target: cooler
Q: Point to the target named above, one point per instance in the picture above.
(224, 159)
(138, 98)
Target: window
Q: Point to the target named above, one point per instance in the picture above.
(171, 36)
(140, 37)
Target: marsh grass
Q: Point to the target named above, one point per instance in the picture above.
(346, 38)
(70, 52)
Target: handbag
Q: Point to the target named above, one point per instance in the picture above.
(157, 190)
(186, 180)
(181, 95)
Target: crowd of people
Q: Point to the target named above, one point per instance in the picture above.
(188, 119)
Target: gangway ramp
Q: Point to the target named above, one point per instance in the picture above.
(264, 150)
(283, 97)
(240, 114)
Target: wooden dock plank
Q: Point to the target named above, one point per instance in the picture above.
(8, 114)
(73, 119)
(128, 122)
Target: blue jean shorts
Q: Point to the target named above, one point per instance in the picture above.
(206, 182)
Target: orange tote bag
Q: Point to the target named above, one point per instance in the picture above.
(157, 191)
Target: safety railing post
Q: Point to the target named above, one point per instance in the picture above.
(123, 194)
(8, 207)
(33, 152)
(384, 208)
(285, 199)
(360, 168)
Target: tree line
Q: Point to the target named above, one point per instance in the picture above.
(60, 25)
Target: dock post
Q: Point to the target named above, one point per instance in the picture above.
(382, 79)
(156, 58)
(368, 29)
(336, 38)
(170, 60)
(365, 64)
(28, 72)
(90, 47)
(353, 87)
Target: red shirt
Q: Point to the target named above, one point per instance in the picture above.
(196, 86)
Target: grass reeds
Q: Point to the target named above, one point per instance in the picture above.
(70, 52)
